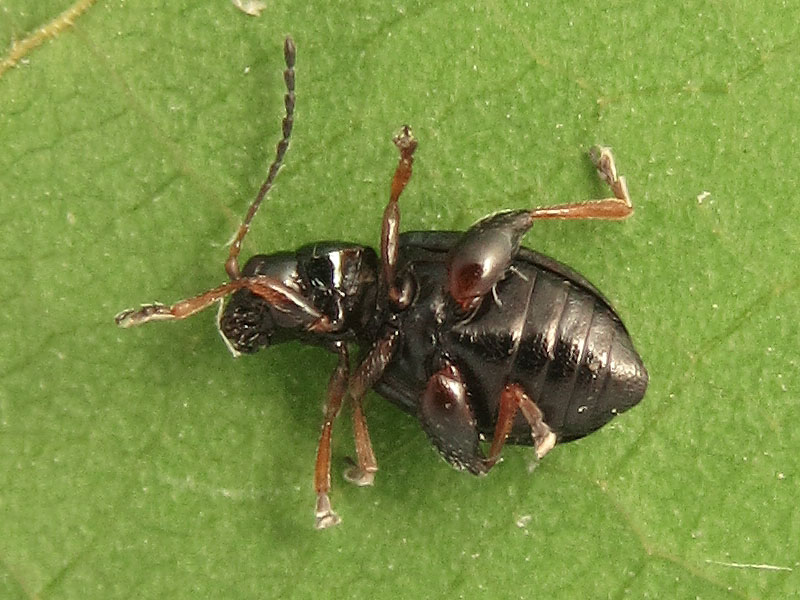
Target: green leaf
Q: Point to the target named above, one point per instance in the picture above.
(148, 464)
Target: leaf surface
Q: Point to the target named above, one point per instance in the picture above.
(148, 464)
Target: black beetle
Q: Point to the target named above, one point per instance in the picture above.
(474, 335)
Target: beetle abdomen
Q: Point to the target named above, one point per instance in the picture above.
(544, 326)
(575, 358)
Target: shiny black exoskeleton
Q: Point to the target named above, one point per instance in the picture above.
(476, 337)
(544, 326)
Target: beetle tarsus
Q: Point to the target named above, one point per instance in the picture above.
(603, 160)
(358, 476)
(324, 516)
(405, 142)
(147, 312)
(544, 444)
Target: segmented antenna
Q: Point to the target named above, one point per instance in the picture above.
(232, 264)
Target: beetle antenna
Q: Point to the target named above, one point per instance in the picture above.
(232, 264)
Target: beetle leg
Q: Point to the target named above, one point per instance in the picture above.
(512, 399)
(337, 385)
(482, 256)
(363, 472)
(447, 417)
(274, 292)
(232, 264)
(618, 207)
(366, 375)
(390, 228)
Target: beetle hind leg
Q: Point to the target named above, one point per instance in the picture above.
(482, 256)
(614, 208)
(512, 399)
(447, 417)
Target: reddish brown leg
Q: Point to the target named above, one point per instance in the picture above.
(232, 264)
(506, 412)
(366, 375)
(324, 515)
(482, 256)
(512, 399)
(269, 289)
(363, 472)
(618, 207)
(390, 231)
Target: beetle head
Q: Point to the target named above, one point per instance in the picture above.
(338, 280)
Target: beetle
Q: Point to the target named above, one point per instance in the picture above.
(477, 337)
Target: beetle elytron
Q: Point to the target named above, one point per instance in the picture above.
(474, 335)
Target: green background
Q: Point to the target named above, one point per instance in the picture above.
(149, 464)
